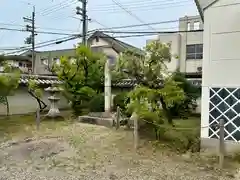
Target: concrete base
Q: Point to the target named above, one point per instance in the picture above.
(108, 122)
(213, 145)
(55, 118)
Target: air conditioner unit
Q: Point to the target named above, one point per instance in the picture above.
(199, 69)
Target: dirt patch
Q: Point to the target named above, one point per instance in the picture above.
(38, 154)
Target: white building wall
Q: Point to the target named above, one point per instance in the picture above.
(221, 82)
(175, 40)
(193, 65)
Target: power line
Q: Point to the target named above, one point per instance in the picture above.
(140, 4)
(149, 32)
(145, 8)
(96, 21)
(38, 27)
(58, 41)
(40, 32)
(58, 8)
(54, 7)
(12, 24)
(130, 13)
(128, 3)
(145, 24)
(44, 45)
(141, 34)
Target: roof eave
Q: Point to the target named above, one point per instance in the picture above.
(200, 10)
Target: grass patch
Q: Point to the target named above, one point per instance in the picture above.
(185, 136)
(25, 125)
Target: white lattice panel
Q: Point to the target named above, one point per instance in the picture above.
(225, 104)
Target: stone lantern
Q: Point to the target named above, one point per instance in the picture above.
(53, 111)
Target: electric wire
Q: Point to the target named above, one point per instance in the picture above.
(56, 7)
(58, 40)
(150, 32)
(39, 46)
(147, 8)
(105, 27)
(141, 5)
(40, 32)
(135, 2)
(130, 13)
(145, 24)
(38, 27)
(96, 21)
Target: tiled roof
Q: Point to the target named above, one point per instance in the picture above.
(127, 83)
(48, 80)
(41, 80)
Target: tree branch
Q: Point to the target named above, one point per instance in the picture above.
(40, 102)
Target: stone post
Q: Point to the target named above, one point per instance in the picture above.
(107, 88)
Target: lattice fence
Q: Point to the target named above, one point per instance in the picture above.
(225, 104)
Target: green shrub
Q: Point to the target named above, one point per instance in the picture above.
(182, 140)
(79, 108)
(177, 138)
(96, 104)
(120, 100)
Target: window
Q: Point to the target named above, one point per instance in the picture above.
(20, 64)
(194, 51)
(188, 26)
(196, 25)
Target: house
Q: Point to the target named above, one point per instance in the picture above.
(98, 41)
(220, 79)
(24, 63)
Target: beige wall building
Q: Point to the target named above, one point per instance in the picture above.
(187, 44)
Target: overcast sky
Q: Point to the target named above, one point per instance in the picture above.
(51, 15)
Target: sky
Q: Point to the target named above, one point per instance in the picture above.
(60, 16)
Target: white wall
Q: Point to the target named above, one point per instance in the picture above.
(175, 40)
(221, 52)
(192, 65)
(222, 43)
(108, 50)
(22, 102)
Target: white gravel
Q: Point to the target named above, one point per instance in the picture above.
(88, 152)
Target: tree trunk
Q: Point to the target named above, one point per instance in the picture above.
(7, 104)
(40, 102)
(166, 112)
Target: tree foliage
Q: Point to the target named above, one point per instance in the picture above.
(9, 81)
(192, 93)
(83, 78)
(155, 85)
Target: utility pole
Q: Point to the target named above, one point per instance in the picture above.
(31, 38)
(83, 12)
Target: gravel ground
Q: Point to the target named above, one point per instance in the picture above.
(88, 152)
